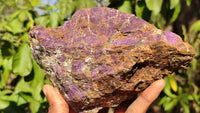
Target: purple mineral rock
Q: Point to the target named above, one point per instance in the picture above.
(102, 57)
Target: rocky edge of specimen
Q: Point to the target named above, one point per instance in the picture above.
(102, 57)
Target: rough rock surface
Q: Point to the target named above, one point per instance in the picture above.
(102, 57)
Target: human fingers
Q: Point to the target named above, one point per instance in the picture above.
(141, 104)
(56, 103)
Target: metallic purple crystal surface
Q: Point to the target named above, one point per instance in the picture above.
(102, 57)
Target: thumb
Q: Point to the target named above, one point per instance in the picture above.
(141, 104)
(56, 102)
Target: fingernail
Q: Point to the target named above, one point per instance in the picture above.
(44, 91)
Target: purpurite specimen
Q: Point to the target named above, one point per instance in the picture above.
(102, 56)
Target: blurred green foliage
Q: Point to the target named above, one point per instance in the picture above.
(21, 79)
